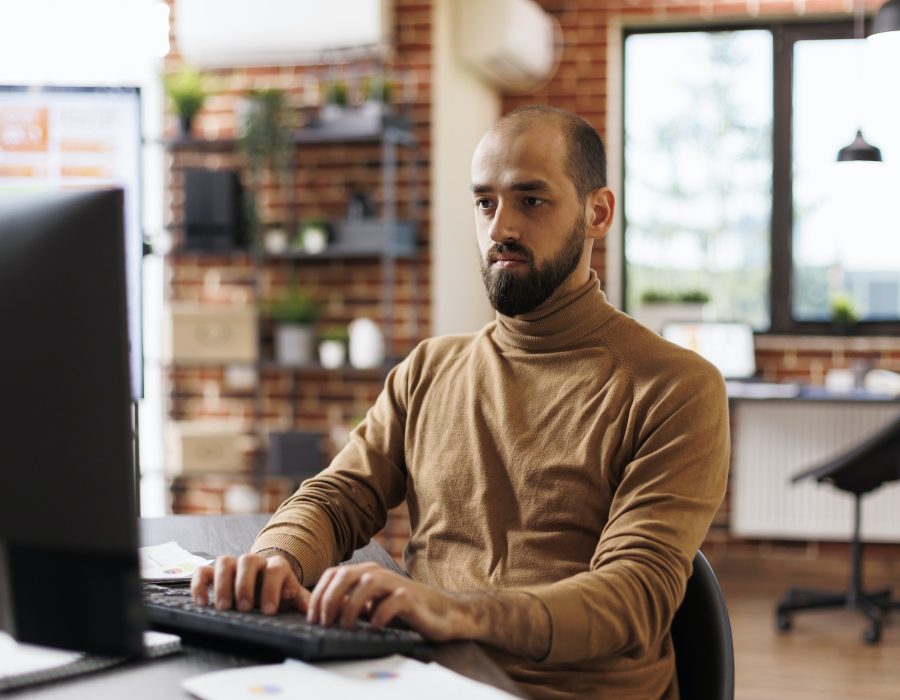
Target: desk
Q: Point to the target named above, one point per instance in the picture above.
(160, 679)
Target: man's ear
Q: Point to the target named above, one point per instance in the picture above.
(600, 208)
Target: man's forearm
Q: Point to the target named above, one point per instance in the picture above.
(514, 622)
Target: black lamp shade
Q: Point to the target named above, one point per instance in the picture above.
(859, 150)
(888, 18)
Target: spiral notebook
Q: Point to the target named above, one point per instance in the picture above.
(23, 665)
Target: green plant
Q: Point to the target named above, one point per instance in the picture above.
(693, 296)
(687, 296)
(843, 310)
(319, 221)
(336, 92)
(187, 90)
(267, 130)
(267, 141)
(377, 88)
(298, 308)
(338, 333)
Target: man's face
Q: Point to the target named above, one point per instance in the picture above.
(530, 224)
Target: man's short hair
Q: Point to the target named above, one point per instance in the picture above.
(586, 157)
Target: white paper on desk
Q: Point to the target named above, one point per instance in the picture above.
(161, 563)
(19, 658)
(391, 677)
(16, 657)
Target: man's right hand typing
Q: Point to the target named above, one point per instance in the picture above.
(248, 580)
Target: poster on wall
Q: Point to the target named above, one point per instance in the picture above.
(80, 138)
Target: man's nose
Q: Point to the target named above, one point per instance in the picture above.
(505, 224)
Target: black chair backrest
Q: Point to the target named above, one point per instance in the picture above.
(701, 635)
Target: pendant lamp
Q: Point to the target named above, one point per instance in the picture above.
(861, 150)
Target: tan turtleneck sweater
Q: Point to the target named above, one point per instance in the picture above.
(568, 452)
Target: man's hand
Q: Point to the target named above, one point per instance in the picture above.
(236, 582)
(512, 621)
(345, 592)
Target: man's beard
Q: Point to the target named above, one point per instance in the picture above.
(512, 293)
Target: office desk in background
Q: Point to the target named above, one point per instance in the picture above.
(160, 679)
(775, 438)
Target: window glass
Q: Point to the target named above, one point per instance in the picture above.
(846, 235)
(698, 169)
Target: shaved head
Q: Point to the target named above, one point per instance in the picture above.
(585, 159)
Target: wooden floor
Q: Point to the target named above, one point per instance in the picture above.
(823, 656)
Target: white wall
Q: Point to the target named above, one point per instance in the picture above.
(462, 109)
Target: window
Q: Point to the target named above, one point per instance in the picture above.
(731, 185)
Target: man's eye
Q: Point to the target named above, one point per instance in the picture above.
(483, 204)
(533, 201)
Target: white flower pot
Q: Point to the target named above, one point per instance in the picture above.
(294, 345)
(366, 344)
(332, 353)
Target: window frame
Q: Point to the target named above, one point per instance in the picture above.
(781, 263)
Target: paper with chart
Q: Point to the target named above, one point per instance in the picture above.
(391, 678)
(168, 563)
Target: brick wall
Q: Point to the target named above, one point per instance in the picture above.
(312, 400)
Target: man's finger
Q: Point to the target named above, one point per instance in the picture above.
(340, 586)
(313, 613)
(200, 581)
(397, 603)
(274, 575)
(368, 588)
(248, 568)
(223, 585)
(293, 595)
(331, 591)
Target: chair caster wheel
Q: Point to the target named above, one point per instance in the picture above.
(872, 635)
(783, 622)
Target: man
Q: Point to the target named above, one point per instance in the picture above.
(561, 466)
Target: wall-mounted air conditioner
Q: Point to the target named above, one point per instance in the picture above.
(216, 33)
(509, 43)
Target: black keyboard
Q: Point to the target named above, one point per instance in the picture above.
(287, 633)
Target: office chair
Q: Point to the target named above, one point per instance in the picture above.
(701, 635)
(860, 470)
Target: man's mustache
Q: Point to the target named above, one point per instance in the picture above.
(511, 248)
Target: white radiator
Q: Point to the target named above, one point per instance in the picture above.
(774, 440)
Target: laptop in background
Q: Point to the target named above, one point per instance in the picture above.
(729, 346)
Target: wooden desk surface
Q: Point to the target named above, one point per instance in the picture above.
(161, 678)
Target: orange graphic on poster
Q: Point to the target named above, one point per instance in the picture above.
(85, 146)
(33, 171)
(87, 171)
(23, 129)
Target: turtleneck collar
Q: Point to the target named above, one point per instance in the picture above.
(557, 323)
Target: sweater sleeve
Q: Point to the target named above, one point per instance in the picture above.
(339, 510)
(663, 504)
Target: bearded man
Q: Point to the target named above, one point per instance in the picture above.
(561, 466)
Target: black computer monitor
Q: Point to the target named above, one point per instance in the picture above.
(68, 531)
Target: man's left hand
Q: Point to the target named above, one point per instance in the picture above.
(343, 593)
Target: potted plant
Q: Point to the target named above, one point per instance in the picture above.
(333, 346)
(312, 235)
(377, 90)
(658, 307)
(188, 92)
(334, 99)
(266, 139)
(843, 313)
(293, 316)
